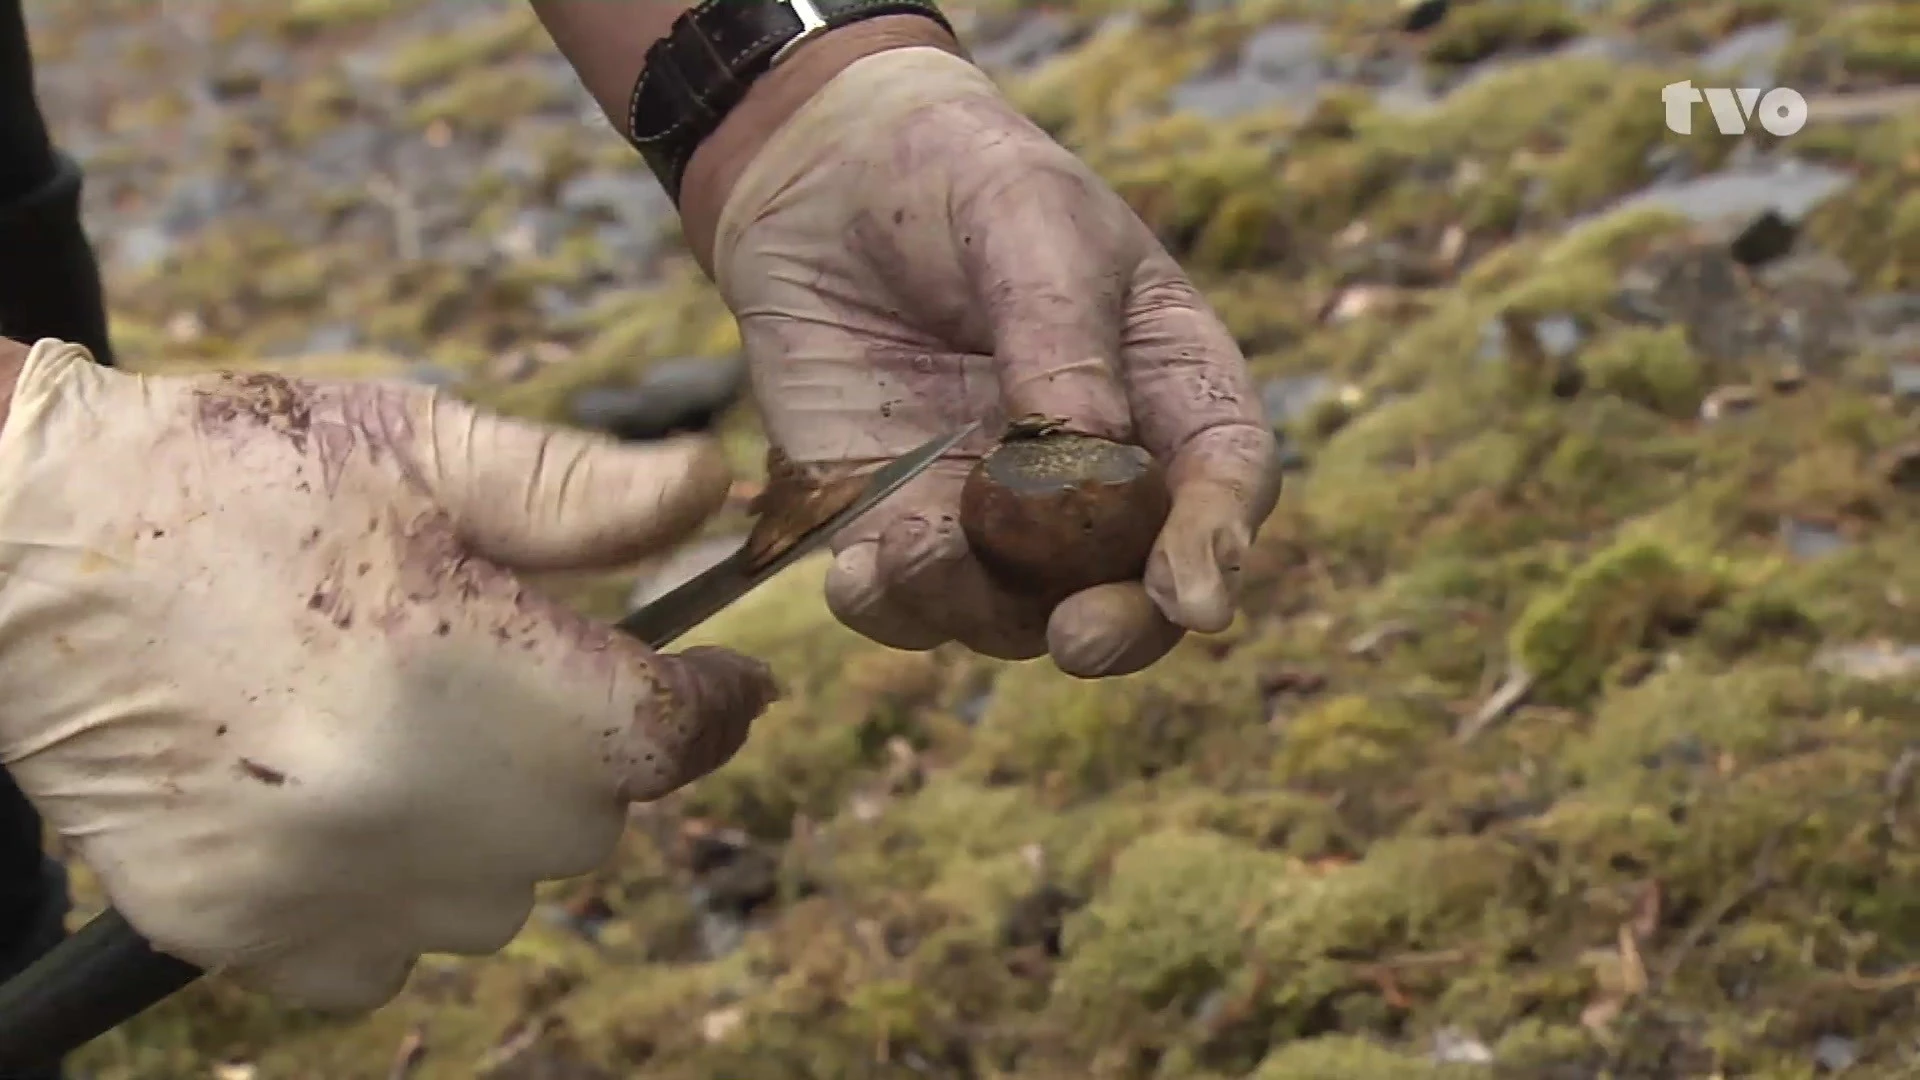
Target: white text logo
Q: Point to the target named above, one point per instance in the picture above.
(1780, 111)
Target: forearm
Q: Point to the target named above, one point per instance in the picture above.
(606, 42)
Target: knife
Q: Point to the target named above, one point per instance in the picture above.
(106, 973)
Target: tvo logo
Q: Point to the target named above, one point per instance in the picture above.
(1780, 111)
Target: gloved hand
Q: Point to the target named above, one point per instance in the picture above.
(266, 665)
(908, 252)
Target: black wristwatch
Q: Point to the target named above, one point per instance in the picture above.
(696, 74)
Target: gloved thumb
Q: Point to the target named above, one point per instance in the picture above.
(533, 497)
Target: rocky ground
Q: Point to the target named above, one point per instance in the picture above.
(1572, 730)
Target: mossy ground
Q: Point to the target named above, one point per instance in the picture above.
(1306, 847)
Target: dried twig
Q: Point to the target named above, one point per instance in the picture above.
(411, 1052)
(409, 237)
(1899, 780)
(1512, 694)
(1880, 984)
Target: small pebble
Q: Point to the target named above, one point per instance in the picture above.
(1452, 1046)
(1870, 661)
(1903, 379)
(1836, 1053)
(1727, 401)
(1808, 540)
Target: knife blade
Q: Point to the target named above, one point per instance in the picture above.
(733, 577)
(106, 973)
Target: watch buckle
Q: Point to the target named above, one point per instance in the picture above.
(812, 22)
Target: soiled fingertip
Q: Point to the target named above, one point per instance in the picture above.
(1193, 575)
(1109, 630)
(720, 686)
(857, 596)
(708, 699)
(1196, 593)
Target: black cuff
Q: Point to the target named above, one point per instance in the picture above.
(696, 74)
(58, 293)
(36, 917)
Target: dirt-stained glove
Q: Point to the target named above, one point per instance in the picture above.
(266, 666)
(907, 253)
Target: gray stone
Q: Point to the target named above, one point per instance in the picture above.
(1808, 540)
(1281, 64)
(534, 232)
(1787, 186)
(1453, 1046)
(1293, 397)
(1903, 378)
(1031, 40)
(320, 340)
(1870, 661)
(426, 374)
(1836, 1053)
(630, 197)
(1751, 55)
(1559, 335)
(140, 248)
(672, 395)
(1889, 314)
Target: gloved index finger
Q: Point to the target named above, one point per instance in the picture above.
(1199, 412)
(1196, 405)
(1047, 258)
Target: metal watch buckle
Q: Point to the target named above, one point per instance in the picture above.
(811, 23)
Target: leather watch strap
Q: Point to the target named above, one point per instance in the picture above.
(696, 74)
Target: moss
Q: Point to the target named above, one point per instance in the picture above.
(1633, 595)
(1427, 910)
(1873, 45)
(1340, 1057)
(679, 316)
(1656, 369)
(1080, 740)
(1536, 1047)
(1574, 273)
(1121, 71)
(1171, 925)
(473, 101)
(307, 16)
(1351, 739)
(1478, 31)
(1611, 145)
(1612, 461)
(1875, 226)
(807, 749)
(423, 62)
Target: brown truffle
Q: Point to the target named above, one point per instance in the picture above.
(1056, 512)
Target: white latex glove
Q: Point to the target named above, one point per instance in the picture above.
(908, 253)
(265, 664)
